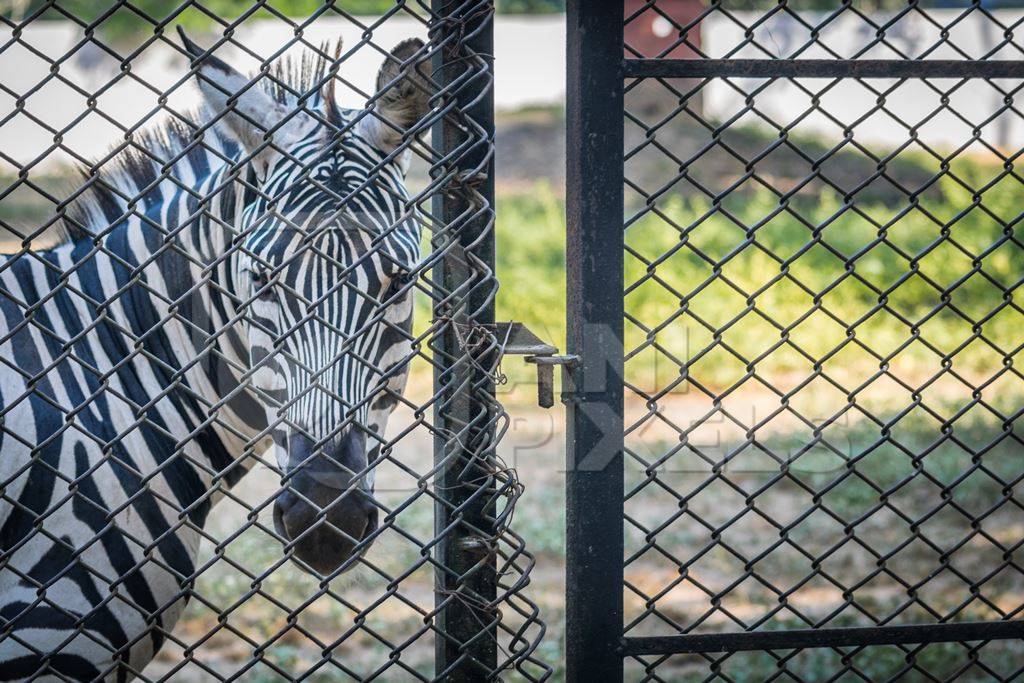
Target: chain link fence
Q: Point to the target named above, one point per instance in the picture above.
(248, 360)
(821, 342)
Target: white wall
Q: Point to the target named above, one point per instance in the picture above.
(913, 101)
(529, 54)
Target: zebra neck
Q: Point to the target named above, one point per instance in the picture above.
(161, 286)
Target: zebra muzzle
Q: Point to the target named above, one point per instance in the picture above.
(324, 516)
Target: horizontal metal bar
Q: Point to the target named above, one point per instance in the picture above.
(822, 68)
(824, 637)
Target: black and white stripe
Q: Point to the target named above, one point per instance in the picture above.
(211, 294)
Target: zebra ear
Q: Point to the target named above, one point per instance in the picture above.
(249, 111)
(403, 95)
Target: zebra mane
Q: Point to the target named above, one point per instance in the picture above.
(168, 151)
(290, 78)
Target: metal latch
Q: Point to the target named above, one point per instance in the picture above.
(519, 340)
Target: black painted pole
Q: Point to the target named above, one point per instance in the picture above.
(463, 216)
(594, 388)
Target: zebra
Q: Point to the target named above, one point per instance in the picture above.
(244, 283)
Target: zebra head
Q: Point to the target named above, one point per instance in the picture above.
(329, 237)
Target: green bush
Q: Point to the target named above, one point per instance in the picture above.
(816, 272)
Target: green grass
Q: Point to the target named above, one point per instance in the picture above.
(531, 261)
(788, 285)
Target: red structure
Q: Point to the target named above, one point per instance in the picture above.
(653, 31)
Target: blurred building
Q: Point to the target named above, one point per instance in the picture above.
(669, 28)
(655, 31)
(943, 113)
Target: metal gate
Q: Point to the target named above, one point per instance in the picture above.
(791, 440)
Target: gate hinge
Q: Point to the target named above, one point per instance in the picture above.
(519, 340)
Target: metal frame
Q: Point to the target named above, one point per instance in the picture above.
(825, 637)
(597, 73)
(821, 68)
(594, 390)
(466, 648)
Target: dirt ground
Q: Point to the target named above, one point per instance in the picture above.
(724, 541)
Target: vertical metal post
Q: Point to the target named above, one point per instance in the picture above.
(466, 578)
(594, 387)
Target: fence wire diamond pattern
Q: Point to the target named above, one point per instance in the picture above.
(821, 344)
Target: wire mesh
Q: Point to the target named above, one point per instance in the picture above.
(206, 338)
(821, 341)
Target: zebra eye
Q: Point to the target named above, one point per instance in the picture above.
(261, 285)
(398, 283)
